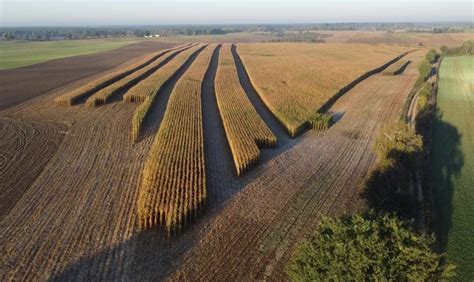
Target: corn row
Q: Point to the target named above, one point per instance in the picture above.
(148, 88)
(105, 94)
(82, 92)
(244, 127)
(174, 180)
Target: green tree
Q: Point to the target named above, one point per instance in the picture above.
(399, 153)
(444, 49)
(425, 69)
(367, 247)
(431, 56)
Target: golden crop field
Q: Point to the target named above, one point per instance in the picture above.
(105, 94)
(174, 180)
(77, 94)
(244, 128)
(294, 80)
(148, 88)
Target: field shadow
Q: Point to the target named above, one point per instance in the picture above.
(390, 189)
(447, 160)
(148, 255)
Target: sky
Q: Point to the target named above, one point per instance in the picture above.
(140, 12)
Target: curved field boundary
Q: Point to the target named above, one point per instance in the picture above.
(25, 149)
(174, 181)
(80, 93)
(245, 129)
(147, 89)
(263, 110)
(329, 103)
(396, 68)
(105, 94)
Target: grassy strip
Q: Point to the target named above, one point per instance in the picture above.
(14, 54)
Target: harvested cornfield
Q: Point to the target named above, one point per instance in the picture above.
(147, 89)
(77, 94)
(174, 181)
(295, 80)
(396, 68)
(105, 94)
(244, 128)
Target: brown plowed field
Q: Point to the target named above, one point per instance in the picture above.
(25, 149)
(76, 217)
(21, 84)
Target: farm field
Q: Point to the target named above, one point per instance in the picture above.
(15, 54)
(405, 38)
(453, 163)
(22, 84)
(78, 216)
(282, 74)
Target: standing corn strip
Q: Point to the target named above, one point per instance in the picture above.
(174, 180)
(244, 128)
(90, 88)
(148, 88)
(105, 94)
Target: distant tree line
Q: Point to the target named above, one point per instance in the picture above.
(71, 33)
(300, 36)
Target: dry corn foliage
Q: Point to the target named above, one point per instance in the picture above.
(174, 180)
(244, 127)
(105, 94)
(77, 94)
(148, 88)
(396, 68)
(295, 79)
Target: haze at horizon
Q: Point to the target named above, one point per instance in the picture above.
(127, 12)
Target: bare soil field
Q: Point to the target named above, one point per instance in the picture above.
(25, 149)
(75, 217)
(21, 84)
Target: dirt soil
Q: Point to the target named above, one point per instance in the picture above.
(21, 84)
(76, 218)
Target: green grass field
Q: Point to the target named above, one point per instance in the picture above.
(15, 54)
(453, 163)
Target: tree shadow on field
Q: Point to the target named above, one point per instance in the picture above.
(148, 255)
(392, 188)
(447, 162)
